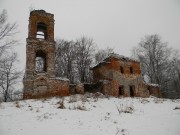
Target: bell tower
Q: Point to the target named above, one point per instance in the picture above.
(40, 48)
(40, 54)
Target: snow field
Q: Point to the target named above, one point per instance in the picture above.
(94, 116)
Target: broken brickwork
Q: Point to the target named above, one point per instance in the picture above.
(121, 76)
(40, 79)
(153, 89)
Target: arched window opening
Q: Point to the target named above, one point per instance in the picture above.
(121, 69)
(131, 70)
(41, 31)
(40, 62)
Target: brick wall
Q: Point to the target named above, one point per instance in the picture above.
(120, 73)
(42, 84)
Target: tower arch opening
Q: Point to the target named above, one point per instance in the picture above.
(41, 30)
(40, 65)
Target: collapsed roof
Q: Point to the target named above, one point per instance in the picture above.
(116, 56)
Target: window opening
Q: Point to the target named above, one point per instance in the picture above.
(122, 70)
(40, 61)
(149, 90)
(121, 90)
(131, 70)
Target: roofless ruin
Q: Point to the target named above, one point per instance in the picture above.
(116, 75)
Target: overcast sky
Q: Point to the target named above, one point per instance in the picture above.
(119, 24)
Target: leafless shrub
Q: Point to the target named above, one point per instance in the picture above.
(81, 107)
(72, 99)
(107, 96)
(88, 95)
(74, 107)
(17, 104)
(98, 95)
(61, 104)
(84, 99)
(127, 108)
(122, 131)
(78, 107)
(144, 101)
(177, 108)
(95, 100)
(158, 100)
(175, 100)
(43, 100)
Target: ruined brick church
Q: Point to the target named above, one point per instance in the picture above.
(121, 76)
(116, 75)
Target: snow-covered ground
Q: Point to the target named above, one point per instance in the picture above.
(91, 116)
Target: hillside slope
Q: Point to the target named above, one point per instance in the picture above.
(91, 116)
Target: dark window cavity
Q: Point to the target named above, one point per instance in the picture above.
(122, 69)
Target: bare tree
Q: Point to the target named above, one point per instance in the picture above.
(65, 59)
(155, 57)
(8, 76)
(160, 64)
(100, 55)
(7, 32)
(84, 58)
(173, 74)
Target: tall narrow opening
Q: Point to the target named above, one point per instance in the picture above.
(41, 31)
(121, 69)
(40, 62)
(149, 89)
(121, 90)
(131, 90)
(131, 70)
